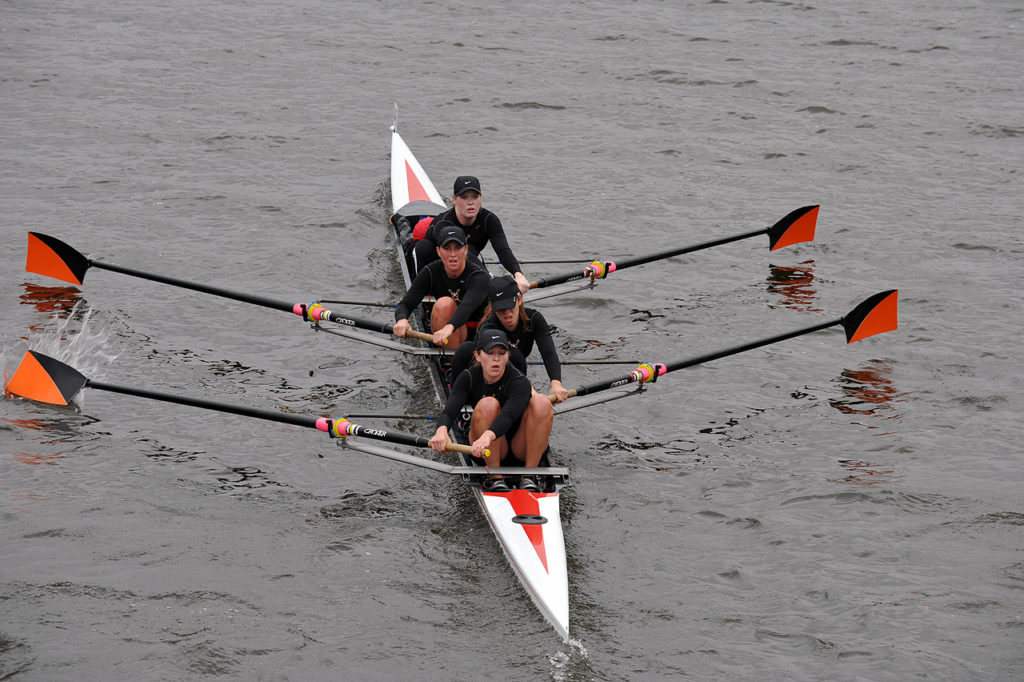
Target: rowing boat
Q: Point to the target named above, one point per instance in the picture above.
(526, 524)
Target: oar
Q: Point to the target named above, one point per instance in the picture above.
(40, 377)
(795, 228)
(874, 315)
(51, 257)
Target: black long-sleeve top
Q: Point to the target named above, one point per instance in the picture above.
(469, 290)
(486, 228)
(512, 390)
(523, 337)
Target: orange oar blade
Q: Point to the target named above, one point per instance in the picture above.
(40, 377)
(51, 257)
(876, 315)
(795, 228)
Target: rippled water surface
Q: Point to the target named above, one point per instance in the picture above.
(808, 510)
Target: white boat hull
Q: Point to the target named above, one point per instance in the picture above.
(529, 528)
(528, 525)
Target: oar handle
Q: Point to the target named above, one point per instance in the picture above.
(572, 394)
(464, 449)
(412, 333)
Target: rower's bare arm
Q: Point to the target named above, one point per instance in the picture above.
(440, 439)
(522, 282)
(558, 392)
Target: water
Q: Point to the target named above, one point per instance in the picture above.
(809, 510)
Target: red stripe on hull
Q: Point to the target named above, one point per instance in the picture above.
(524, 503)
(416, 191)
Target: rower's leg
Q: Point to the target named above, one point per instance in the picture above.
(531, 440)
(484, 414)
(443, 310)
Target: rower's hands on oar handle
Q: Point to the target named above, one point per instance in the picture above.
(523, 283)
(480, 445)
(558, 392)
(554, 397)
(442, 334)
(440, 439)
(442, 442)
(401, 328)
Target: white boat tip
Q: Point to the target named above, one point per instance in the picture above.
(392, 128)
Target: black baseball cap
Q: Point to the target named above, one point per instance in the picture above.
(451, 233)
(465, 183)
(502, 292)
(489, 338)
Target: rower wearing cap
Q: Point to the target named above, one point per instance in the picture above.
(508, 416)
(524, 327)
(481, 226)
(459, 288)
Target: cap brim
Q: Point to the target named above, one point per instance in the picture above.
(446, 242)
(503, 304)
(467, 189)
(488, 346)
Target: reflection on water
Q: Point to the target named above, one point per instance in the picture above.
(20, 501)
(795, 285)
(869, 392)
(865, 474)
(50, 299)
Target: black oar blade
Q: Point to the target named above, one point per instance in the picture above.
(875, 315)
(51, 257)
(795, 228)
(40, 377)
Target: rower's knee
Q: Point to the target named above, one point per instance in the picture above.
(540, 406)
(487, 409)
(442, 311)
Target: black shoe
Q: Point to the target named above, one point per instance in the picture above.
(527, 483)
(496, 485)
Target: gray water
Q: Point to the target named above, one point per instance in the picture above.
(810, 510)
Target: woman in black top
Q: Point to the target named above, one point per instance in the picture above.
(481, 226)
(524, 327)
(459, 288)
(508, 416)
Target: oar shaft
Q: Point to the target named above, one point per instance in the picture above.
(797, 226)
(371, 325)
(708, 357)
(342, 427)
(283, 418)
(641, 260)
(610, 266)
(350, 321)
(338, 427)
(641, 374)
(195, 286)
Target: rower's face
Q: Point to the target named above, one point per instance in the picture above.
(467, 206)
(509, 316)
(493, 362)
(453, 256)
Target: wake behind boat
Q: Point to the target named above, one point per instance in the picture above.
(526, 524)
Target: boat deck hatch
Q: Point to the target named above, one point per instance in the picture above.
(530, 519)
